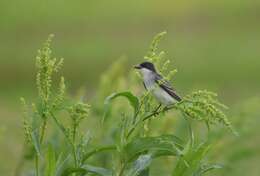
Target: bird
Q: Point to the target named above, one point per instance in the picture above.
(160, 88)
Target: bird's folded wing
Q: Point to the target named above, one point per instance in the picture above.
(165, 85)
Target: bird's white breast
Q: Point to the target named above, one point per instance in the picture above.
(161, 95)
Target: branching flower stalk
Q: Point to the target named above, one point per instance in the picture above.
(77, 112)
(50, 103)
(46, 66)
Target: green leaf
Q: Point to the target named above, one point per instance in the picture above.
(70, 171)
(141, 164)
(159, 146)
(35, 136)
(191, 161)
(61, 161)
(207, 168)
(133, 100)
(51, 162)
(36, 142)
(145, 172)
(97, 170)
(88, 169)
(97, 150)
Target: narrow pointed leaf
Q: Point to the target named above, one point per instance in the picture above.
(97, 170)
(51, 162)
(36, 142)
(70, 171)
(191, 162)
(133, 100)
(159, 146)
(97, 150)
(88, 169)
(208, 168)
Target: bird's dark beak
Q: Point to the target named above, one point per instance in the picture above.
(137, 67)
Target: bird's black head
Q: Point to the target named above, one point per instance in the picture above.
(147, 65)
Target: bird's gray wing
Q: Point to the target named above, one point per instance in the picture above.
(166, 86)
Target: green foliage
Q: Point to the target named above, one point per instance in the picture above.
(51, 162)
(133, 100)
(156, 146)
(141, 164)
(191, 163)
(203, 106)
(87, 169)
(129, 147)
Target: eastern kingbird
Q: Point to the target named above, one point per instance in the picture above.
(159, 87)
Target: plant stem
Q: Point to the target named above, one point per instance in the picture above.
(37, 165)
(101, 149)
(158, 112)
(43, 130)
(148, 117)
(137, 112)
(75, 156)
(74, 133)
(62, 128)
(191, 134)
(122, 170)
(41, 140)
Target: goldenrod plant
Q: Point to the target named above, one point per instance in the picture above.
(125, 144)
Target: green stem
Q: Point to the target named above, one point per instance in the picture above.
(101, 149)
(75, 156)
(158, 112)
(137, 112)
(41, 140)
(43, 130)
(63, 130)
(191, 134)
(61, 127)
(74, 147)
(122, 170)
(74, 132)
(37, 165)
(148, 117)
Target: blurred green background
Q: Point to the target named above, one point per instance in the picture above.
(213, 44)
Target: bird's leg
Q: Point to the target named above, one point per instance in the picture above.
(157, 108)
(165, 108)
(168, 107)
